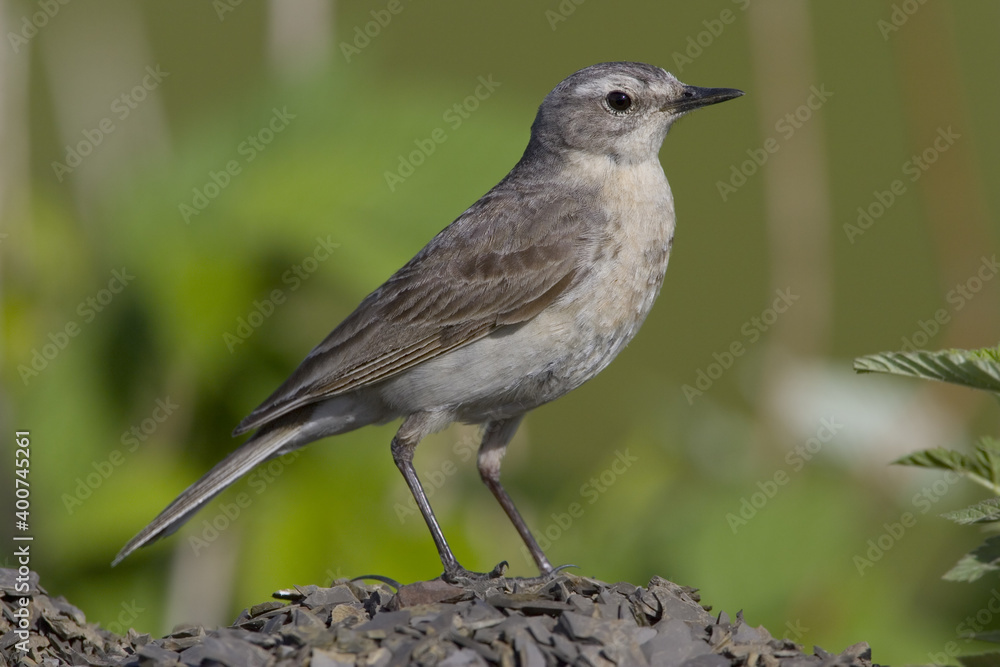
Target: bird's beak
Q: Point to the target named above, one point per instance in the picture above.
(694, 98)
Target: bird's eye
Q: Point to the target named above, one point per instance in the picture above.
(618, 101)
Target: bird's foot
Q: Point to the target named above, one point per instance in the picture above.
(460, 576)
(495, 578)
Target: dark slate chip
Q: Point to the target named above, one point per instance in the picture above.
(230, 652)
(383, 623)
(187, 630)
(673, 645)
(152, 654)
(465, 657)
(581, 604)
(744, 634)
(427, 592)
(378, 600)
(707, 660)
(330, 596)
(347, 614)
(264, 607)
(578, 626)
(861, 650)
(648, 604)
(476, 614)
(274, 623)
(541, 628)
(528, 653)
(624, 588)
(564, 648)
(296, 594)
(321, 658)
(485, 650)
(529, 606)
(592, 655)
(11, 581)
(181, 643)
(801, 661)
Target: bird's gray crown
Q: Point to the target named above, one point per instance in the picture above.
(620, 110)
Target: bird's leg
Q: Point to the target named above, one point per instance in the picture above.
(495, 438)
(406, 440)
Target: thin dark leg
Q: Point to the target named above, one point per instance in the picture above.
(495, 438)
(406, 440)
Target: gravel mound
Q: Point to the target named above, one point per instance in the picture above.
(567, 620)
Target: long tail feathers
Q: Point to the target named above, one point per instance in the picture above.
(255, 450)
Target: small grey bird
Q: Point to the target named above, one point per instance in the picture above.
(527, 295)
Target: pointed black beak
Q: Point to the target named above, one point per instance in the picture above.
(694, 98)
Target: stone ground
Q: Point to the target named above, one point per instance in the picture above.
(568, 620)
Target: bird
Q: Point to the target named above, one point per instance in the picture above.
(529, 293)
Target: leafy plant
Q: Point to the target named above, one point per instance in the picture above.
(977, 369)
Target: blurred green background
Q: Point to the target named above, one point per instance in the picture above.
(276, 123)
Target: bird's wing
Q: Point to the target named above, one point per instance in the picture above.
(500, 263)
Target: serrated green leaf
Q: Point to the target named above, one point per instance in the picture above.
(978, 369)
(989, 458)
(981, 560)
(980, 660)
(987, 511)
(941, 459)
(989, 444)
(984, 469)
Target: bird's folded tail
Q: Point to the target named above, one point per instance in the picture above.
(260, 447)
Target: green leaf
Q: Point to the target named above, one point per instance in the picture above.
(992, 636)
(941, 459)
(988, 456)
(980, 660)
(983, 468)
(973, 565)
(978, 369)
(987, 511)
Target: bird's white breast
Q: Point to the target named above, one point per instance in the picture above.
(577, 335)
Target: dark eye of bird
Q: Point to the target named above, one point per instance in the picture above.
(618, 100)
